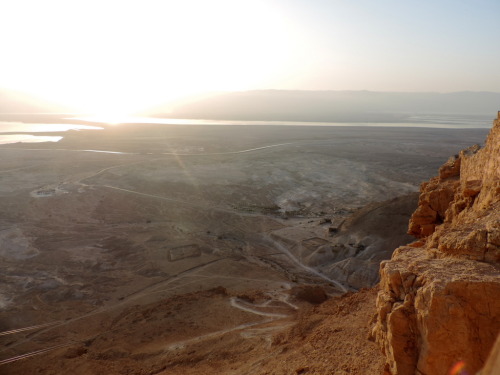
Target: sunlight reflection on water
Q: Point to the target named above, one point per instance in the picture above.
(415, 121)
(27, 138)
(22, 127)
(25, 127)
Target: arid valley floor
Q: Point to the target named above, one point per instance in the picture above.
(155, 249)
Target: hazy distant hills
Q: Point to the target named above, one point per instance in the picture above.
(337, 106)
(17, 102)
(289, 105)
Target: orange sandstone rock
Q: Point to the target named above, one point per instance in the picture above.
(439, 301)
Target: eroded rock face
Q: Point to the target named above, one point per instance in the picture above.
(439, 301)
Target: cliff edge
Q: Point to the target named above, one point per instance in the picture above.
(439, 299)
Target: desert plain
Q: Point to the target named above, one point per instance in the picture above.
(186, 249)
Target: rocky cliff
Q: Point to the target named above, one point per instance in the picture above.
(439, 299)
(364, 240)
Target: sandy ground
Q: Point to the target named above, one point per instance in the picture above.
(179, 248)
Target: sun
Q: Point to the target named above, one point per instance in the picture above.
(115, 58)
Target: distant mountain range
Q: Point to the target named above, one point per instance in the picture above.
(332, 106)
(291, 105)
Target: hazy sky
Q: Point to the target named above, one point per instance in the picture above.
(115, 56)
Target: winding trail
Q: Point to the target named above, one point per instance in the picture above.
(239, 304)
(227, 152)
(182, 344)
(303, 266)
(247, 329)
(159, 153)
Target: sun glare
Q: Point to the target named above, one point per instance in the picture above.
(114, 58)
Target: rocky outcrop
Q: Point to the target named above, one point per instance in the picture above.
(439, 299)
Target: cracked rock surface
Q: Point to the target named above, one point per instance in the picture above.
(439, 296)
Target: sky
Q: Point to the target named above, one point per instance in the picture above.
(110, 56)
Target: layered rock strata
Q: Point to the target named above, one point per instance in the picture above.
(439, 299)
